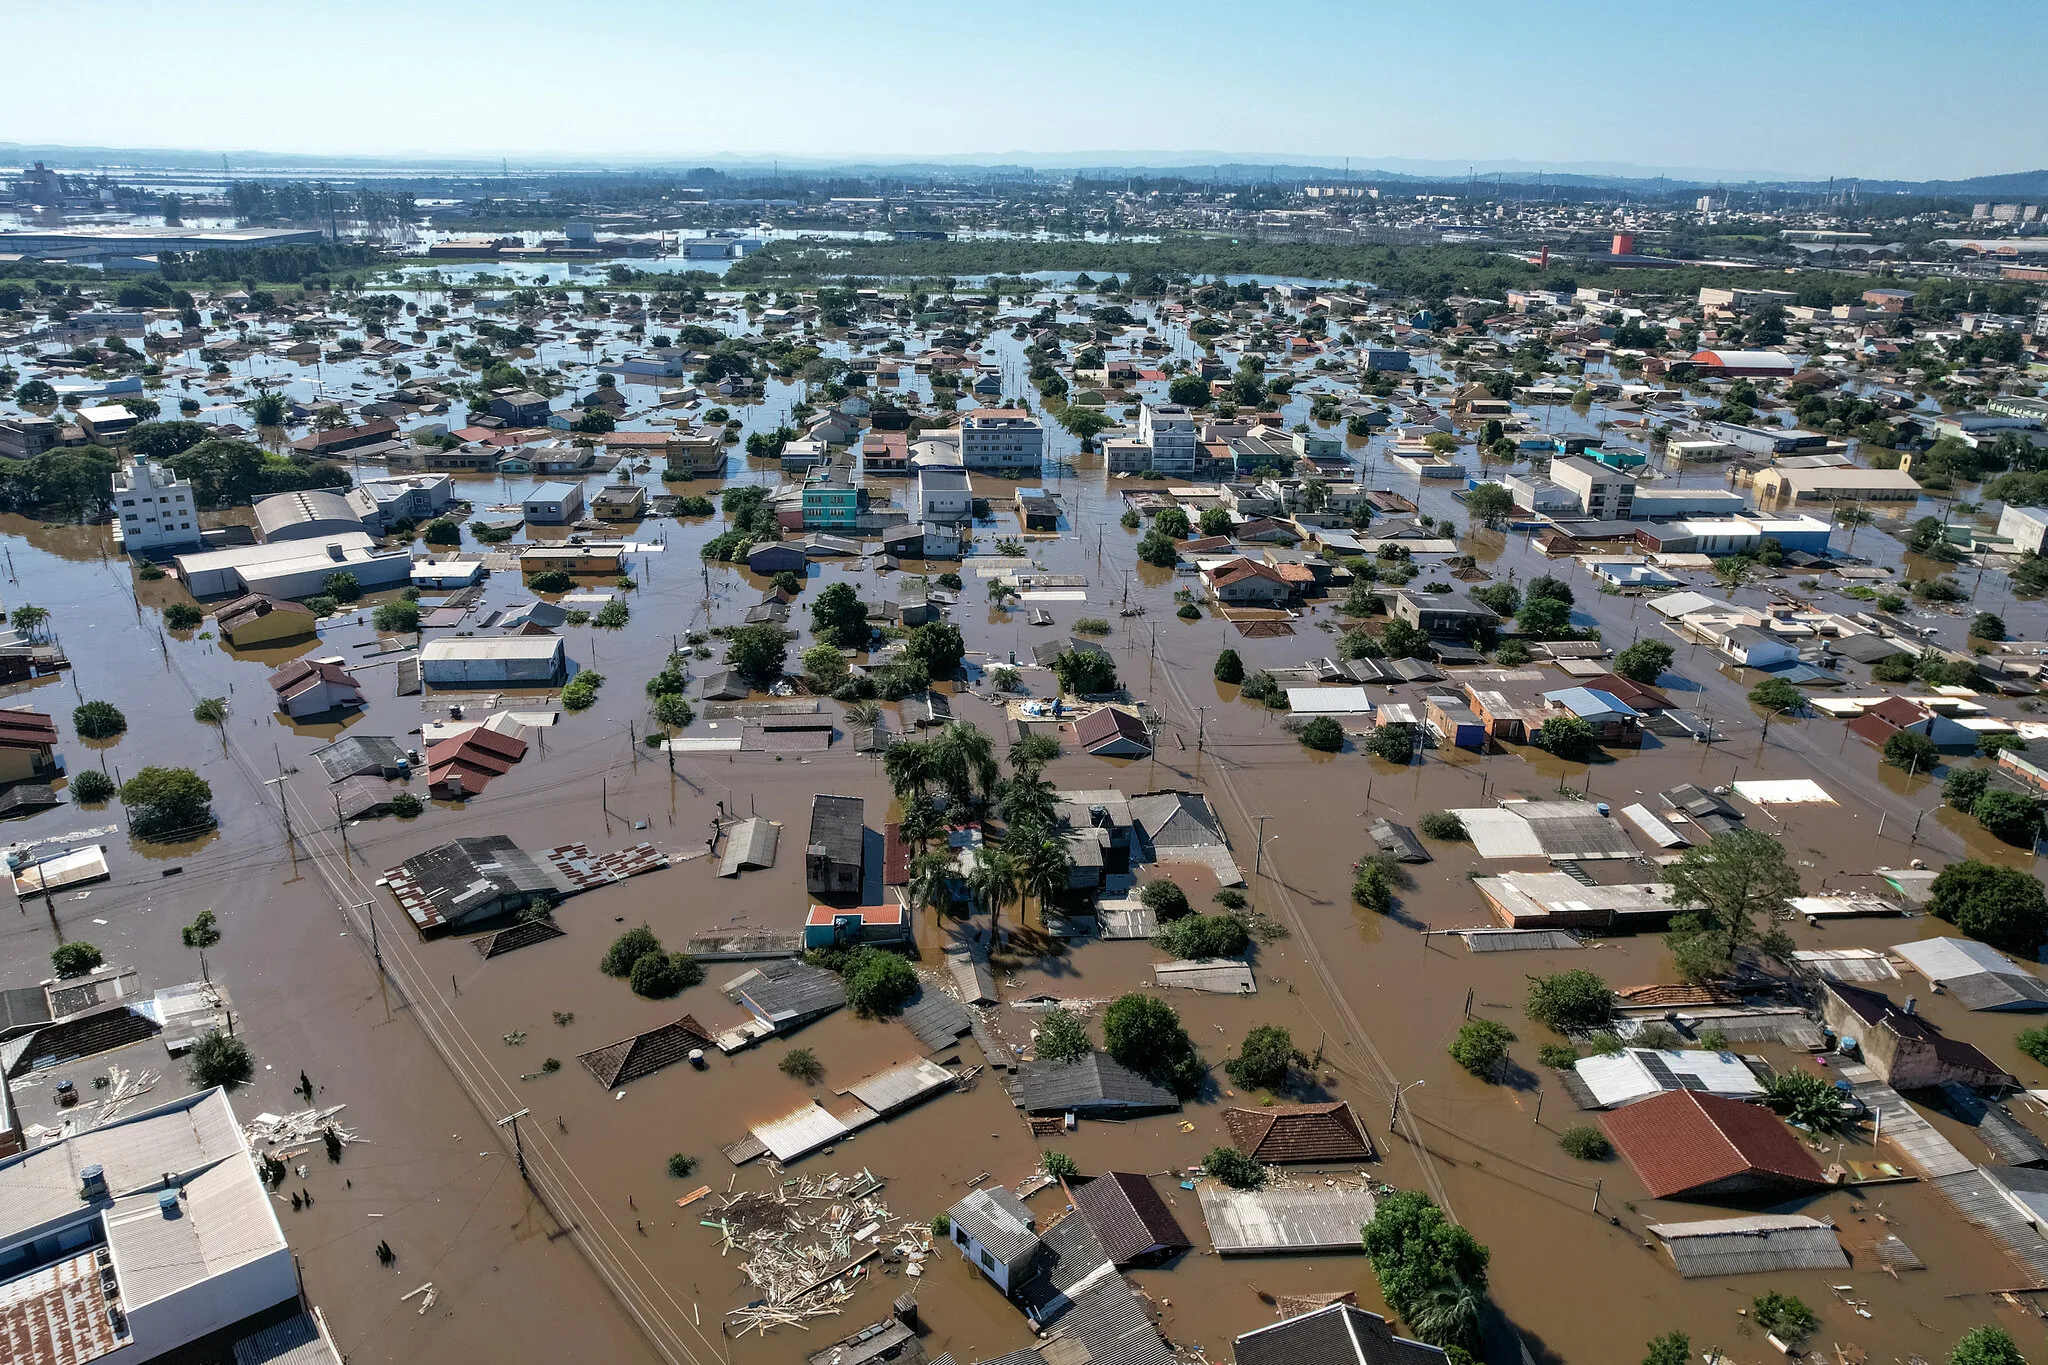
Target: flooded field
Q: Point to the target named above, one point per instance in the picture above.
(422, 1052)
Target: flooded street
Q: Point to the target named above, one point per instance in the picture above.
(424, 1052)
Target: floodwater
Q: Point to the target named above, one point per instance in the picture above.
(601, 1263)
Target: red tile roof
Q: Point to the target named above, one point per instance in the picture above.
(1299, 1132)
(475, 758)
(1682, 1142)
(1109, 723)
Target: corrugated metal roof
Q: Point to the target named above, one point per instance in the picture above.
(799, 1133)
(1318, 1218)
(750, 847)
(1498, 833)
(1753, 1245)
(1217, 976)
(900, 1087)
(297, 1340)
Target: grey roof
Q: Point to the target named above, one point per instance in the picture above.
(1752, 1245)
(750, 846)
(1176, 820)
(1314, 1218)
(2010, 1140)
(23, 1008)
(836, 827)
(998, 1221)
(1110, 1321)
(1127, 1213)
(464, 874)
(1976, 974)
(360, 755)
(1096, 1082)
(937, 1019)
(1339, 1334)
(788, 991)
(1070, 1259)
(1399, 840)
(182, 1138)
(297, 1340)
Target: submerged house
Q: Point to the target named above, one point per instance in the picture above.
(1905, 1050)
(995, 1232)
(834, 862)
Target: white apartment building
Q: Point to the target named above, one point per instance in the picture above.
(153, 509)
(1168, 430)
(1001, 438)
(1607, 494)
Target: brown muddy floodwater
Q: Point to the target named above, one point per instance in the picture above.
(603, 1266)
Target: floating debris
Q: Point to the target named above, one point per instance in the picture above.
(807, 1243)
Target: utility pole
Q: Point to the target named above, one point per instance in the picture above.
(1259, 859)
(518, 1149)
(1201, 727)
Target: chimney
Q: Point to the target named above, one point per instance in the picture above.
(92, 1184)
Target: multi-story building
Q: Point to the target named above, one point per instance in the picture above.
(831, 502)
(153, 510)
(1001, 438)
(1604, 493)
(945, 494)
(1168, 429)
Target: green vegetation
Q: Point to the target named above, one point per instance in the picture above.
(612, 616)
(1373, 886)
(2010, 816)
(1085, 672)
(1963, 786)
(219, 1060)
(1986, 1344)
(802, 1065)
(1783, 1316)
(1490, 504)
(551, 580)
(1586, 1144)
(757, 652)
(627, 949)
(1568, 737)
(1806, 1099)
(581, 692)
(661, 976)
(1205, 936)
(397, 618)
(1481, 1047)
(1673, 1348)
(183, 616)
(1165, 899)
(1775, 694)
(1725, 886)
(406, 806)
(1644, 662)
(878, 983)
(91, 786)
(1986, 625)
(1570, 1001)
(342, 587)
(1442, 825)
(2002, 906)
(1323, 734)
(1393, 741)
(1558, 1055)
(167, 804)
(1895, 668)
(1091, 625)
(825, 669)
(838, 618)
(1265, 1059)
(75, 958)
(938, 646)
(680, 1165)
(1063, 1036)
(1911, 751)
(98, 720)
(1157, 549)
(1060, 1166)
(1144, 1033)
(1234, 1168)
(1432, 1272)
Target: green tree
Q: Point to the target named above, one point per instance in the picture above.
(1585, 1143)
(1214, 521)
(1783, 1316)
(1775, 694)
(2002, 906)
(1418, 1255)
(1062, 1036)
(1911, 751)
(1987, 625)
(1444, 825)
(1264, 1060)
(1234, 1168)
(1165, 899)
(1569, 737)
(1190, 390)
(1323, 734)
(342, 587)
(1896, 668)
(1550, 586)
(825, 669)
(801, 1064)
(1570, 1001)
(1171, 521)
(1963, 786)
(838, 618)
(442, 531)
(1986, 1344)
(627, 949)
(166, 804)
(1728, 883)
(1085, 672)
(1644, 662)
(1544, 618)
(91, 786)
(1481, 1047)
(1196, 937)
(183, 616)
(878, 983)
(397, 618)
(219, 1060)
(1158, 549)
(757, 652)
(1806, 1098)
(1490, 505)
(1673, 1348)
(98, 720)
(1229, 668)
(993, 880)
(1393, 741)
(661, 976)
(75, 958)
(2010, 816)
(938, 645)
(1144, 1033)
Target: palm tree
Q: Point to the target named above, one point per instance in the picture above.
(1029, 755)
(1449, 1316)
(931, 881)
(965, 763)
(910, 767)
(1046, 869)
(994, 882)
(1027, 799)
(921, 822)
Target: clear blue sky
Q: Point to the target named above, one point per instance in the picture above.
(1875, 88)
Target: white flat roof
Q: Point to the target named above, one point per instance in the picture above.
(1328, 701)
(353, 544)
(497, 647)
(800, 1133)
(1784, 792)
(1638, 1073)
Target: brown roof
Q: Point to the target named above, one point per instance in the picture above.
(300, 674)
(1239, 568)
(1681, 1142)
(643, 1054)
(1652, 997)
(1299, 1132)
(240, 612)
(1634, 693)
(1109, 723)
(1128, 1216)
(26, 730)
(475, 757)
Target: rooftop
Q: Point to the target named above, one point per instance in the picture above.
(1684, 1143)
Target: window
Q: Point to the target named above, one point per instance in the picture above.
(988, 1262)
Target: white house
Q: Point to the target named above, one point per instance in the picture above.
(945, 494)
(153, 509)
(993, 1228)
(501, 661)
(554, 504)
(1754, 648)
(2026, 528)
(294, 568)
(1001, 438)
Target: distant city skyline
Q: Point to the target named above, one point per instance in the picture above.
(1880, 90)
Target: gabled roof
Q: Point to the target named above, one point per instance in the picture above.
(1109, 724)
(1682, 1142)
(301, 675)
(1128, 1216)
(996, 1220)
(1096, 1081)
(629, 1059)
(836, 827)
(1322, 1133)
(1340, 1334)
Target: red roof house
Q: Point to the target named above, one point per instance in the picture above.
(465, 765)
(1686, 1145)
